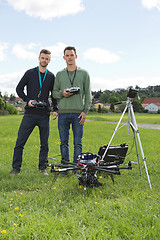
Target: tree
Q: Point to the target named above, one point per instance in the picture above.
(5, 96)
(113, 99)
(12, 97)
(112, 107)
(137, 106)
(2, 103)
(104, 96)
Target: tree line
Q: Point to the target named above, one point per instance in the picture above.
(110, 97)
(120, 94)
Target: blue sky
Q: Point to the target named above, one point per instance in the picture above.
(118, 41)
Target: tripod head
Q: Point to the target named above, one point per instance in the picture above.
(132, 93)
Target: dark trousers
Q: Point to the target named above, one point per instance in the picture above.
(27, 125)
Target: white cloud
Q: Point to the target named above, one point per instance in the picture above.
(3, 47)
(48, 9)
(23, 51)
(27, 52)
(57, 50)
(151, 4)
(9, 82)
(101, 56)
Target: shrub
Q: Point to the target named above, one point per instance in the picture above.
(104, 110)
(92, 109)
(11, 109)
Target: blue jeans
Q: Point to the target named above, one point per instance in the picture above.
(27, 125)
(64, 121)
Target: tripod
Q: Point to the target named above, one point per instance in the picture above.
(131, 123)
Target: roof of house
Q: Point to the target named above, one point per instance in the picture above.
(154, 100)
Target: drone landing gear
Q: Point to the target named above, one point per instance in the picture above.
(89, 179)
(112, 178)
(55, 178)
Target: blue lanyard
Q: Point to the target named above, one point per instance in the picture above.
(41, 81)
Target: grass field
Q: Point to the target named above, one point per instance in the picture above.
(114, 117)
(32, 207)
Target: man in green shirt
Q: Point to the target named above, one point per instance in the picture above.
(72, 106)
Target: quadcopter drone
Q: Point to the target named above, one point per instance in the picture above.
(90, 164)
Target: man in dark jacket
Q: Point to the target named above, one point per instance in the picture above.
(39, 84)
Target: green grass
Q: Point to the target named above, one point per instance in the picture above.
(114, 117)
(32, 207)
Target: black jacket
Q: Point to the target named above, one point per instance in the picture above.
(30, 80)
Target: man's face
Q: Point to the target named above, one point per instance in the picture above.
(44, 59)
(70, 57)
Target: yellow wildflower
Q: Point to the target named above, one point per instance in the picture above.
(60, 201)
(4, 231)
(96, 202)
(16, 208)
(14, 225)
(20, 215)
(11, 199)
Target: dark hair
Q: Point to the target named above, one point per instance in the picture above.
(70, 48)
(45, 51)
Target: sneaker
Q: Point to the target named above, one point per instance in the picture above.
(44, 172)
(14, 172)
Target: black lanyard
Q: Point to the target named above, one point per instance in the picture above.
(72, 80)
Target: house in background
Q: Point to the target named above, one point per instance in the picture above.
(151, 104)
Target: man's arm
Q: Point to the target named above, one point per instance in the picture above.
(88, 100)
(57, 93)
(20, 88)
(87, 93)
(55, 107)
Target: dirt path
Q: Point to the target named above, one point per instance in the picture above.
(149, 126)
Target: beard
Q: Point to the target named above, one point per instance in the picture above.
(43, 64)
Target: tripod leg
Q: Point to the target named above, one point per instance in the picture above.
(129, 117)
(114, 132)
(135, 139)
(140, 145)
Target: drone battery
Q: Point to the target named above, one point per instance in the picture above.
(114, 153)
(87, 158)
